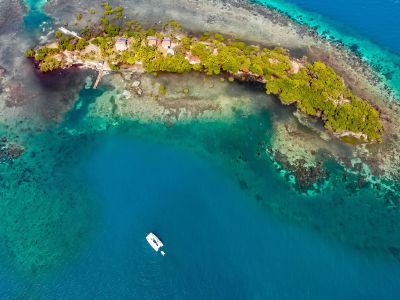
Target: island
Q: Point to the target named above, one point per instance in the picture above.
(116, 43)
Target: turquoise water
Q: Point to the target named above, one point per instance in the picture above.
(219, 243)
(350, 23)
(376, 20)
(35, 15)
(75, 209)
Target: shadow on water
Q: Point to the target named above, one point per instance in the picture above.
(86, 97)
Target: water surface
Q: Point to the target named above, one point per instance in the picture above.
(219, 244)
(76, 208)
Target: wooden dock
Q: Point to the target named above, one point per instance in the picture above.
(99, 76)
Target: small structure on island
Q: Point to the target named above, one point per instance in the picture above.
(193, 59)
(166, 43)
(170, 51)
(121, 44)
(152, 41)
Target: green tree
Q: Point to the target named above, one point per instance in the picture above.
(112, 30)
(205, 36)
(162, 89)
(219, 37)
(81, 44)
(58, 34)
(49, 64)
(30, 53)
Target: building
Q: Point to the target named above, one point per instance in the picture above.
(121, 44)
(170, 51)
(166, 43)
(193, 59)
(152, 41)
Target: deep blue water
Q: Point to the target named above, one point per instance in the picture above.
(219, 244)
(374, 19)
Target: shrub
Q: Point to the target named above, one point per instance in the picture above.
(186, 42)
(58, 34)
(119, 12)
(114, 67)
(64, 42)
(50, 64)
(239, 45)
(81, 44)
(172, 25)
(112, 30)
(205, 36)
(162, 89)
(42, 53)
(219, 37)
(71, 47)
(107, 8)
(30, 53)
(104, 21)
(86, 33)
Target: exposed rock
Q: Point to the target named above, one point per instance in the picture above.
(127, 76)
(136, 84)
(139, 91)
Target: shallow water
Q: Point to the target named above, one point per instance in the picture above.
(35, 15)
(353, 24)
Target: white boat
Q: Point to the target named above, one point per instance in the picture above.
(155, 242)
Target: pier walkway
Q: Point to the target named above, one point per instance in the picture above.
(99, 76)
(69, 32)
